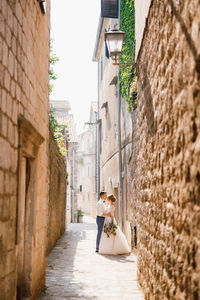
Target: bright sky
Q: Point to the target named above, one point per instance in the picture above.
(73, 28)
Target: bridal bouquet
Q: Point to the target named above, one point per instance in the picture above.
(110, 229)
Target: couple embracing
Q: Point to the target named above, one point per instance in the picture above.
(110, 239)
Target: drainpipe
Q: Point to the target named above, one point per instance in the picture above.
(119, 139)
(72, 185)
(119, 152)
(98, 137)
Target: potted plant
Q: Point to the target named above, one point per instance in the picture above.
(79, 216)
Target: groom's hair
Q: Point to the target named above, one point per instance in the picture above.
(101, 194)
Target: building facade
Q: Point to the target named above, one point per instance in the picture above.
(87, 165)
(24, 135)
(111, 175)
(166, 149)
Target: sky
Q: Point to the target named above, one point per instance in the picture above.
(73, 29)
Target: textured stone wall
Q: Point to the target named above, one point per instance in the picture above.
(167, 163)
(132, 201)
(24, 79)
(57, 194)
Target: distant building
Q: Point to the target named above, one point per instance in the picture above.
(62, 113)
(87, 165)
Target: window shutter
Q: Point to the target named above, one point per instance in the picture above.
(109, 9)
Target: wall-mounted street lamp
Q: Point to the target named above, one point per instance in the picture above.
(93, 123)
(114, 40)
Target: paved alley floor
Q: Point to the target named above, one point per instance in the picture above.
(76, 271)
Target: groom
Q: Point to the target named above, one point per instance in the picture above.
(101, 214)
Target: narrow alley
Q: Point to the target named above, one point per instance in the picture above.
(75, 271)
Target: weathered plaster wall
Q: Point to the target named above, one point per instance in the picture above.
(57, 194)
(141, 13)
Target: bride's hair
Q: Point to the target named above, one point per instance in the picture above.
(112, 198)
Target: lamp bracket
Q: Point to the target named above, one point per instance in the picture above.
(124, 64)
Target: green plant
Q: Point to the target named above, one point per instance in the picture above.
(58, 132)
(79, 212)
(67, 176)
(133, 94)
(53, 60)
(127, 73)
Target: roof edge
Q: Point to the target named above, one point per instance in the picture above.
(99, 29)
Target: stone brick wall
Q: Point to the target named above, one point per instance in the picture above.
(167, 163)
(131, 208)
(57, 194)
(24, 80)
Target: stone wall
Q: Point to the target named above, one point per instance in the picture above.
(57, 194)
(167, 148)
(24, 103)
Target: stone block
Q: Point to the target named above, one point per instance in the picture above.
(8, 36)
(4, 157)
(4, 9)
(11, 63)
(12, 88)
(5, 54)
(7, 80)
(7, 235)
(1, 182)
(16, 142)
(4, 125)
(3, 102)
(18, 92)
(11, 133)
(10, 18)
(1, 48)
(2, 25)
(19, 14)
(1, 73)
(15, 26)
(14, 46)
(4, 208)
(9, 105)
(8, 286)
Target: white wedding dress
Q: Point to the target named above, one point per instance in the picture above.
(115, 244)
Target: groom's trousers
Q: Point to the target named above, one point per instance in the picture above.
(100, 222)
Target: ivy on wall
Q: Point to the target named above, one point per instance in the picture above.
(57, 132)
(57, 129)
(53, 60)
(127, 73)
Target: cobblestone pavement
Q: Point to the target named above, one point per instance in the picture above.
(75, 271)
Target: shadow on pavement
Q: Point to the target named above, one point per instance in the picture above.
(60, 273)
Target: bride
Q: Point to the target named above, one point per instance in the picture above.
(113, 241)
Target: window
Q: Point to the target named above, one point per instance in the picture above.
(109, 8)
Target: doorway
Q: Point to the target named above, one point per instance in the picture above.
(29, 142)
(25, 223)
